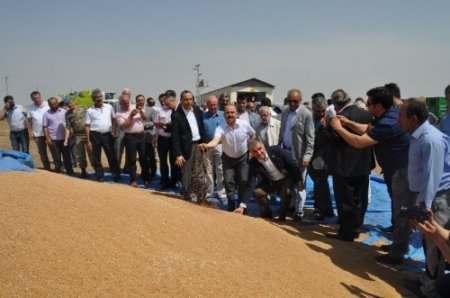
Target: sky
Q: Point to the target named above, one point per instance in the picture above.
(150, 46)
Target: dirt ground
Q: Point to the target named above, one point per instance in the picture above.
(64, 236)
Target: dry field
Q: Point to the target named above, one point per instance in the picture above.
(64, 236)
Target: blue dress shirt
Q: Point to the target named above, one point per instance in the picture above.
(428, 163)
(210, 123)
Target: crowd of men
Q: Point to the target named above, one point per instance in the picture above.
(256, 154)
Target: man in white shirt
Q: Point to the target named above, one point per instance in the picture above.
(16, 117)
(35, 117)
(162, 138)
(234, 135)
(100, 124)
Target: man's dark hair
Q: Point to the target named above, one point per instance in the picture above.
(418, 108)
(185, 92)
(329, 102)
(338, 99)
(8, 98)
(139, 95)
(150, 101)
(393, 89)
(266, 102)
(359, 99)
(171, 93)
(35, 93)
(317, 95)
(382, 96)
(447, 90)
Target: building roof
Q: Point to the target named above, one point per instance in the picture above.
(253, 82)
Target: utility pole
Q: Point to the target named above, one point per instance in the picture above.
(6, 85)
(199, 83)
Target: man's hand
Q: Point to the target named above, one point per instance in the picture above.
(305, 163)
(158, 125)
(155, 141)
(180, 161)
(202, 147)
(134, 113)
(300, 185)
(335, 123)
(89, 146)
(66, 143)
(239, 210)
(48, 141)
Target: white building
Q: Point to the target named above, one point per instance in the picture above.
(252, 89)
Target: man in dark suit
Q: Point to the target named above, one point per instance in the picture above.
(277, 170)
(350, 168)
(187, 132)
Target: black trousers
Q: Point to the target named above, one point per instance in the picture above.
(105, 141)
(42, 149)
(135, 144)
(57, 150)
(235, 172)
(322, 197)
(150, 155)
(165, 151)
(351, 201)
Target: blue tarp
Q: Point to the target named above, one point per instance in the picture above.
(11, 160)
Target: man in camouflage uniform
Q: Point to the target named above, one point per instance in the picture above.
(75, 122)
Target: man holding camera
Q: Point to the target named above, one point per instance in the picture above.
(130, 119)
(429, 179)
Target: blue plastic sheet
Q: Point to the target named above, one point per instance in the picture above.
(11, 160)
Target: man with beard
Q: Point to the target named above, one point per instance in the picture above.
(54, 131)
(17, 120)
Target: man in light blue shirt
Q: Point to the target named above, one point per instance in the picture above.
(428, 177)
(445, 122)
(213, 118)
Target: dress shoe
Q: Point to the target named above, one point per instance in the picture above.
(387, 259)
(339, 237)
(385, 247)
(100, 180)
(318, 216)
(133, 184)
(83, 174)
(389, 229)
(298, 217)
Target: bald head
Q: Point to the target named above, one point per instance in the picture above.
(213, 104)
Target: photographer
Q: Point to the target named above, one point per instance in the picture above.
(131, 120)
(441, 237)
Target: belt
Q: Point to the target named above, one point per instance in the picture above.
(135, 134)
(196, 142)
(101, 133)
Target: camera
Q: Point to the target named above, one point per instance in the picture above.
(419, 213)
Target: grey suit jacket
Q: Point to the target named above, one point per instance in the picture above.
(302, 130)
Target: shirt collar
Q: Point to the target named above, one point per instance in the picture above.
(421, 130)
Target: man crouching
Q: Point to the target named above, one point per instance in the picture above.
(277, 170)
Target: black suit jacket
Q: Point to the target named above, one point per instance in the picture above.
(345, 160)
(282, 160)
(181, 131)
